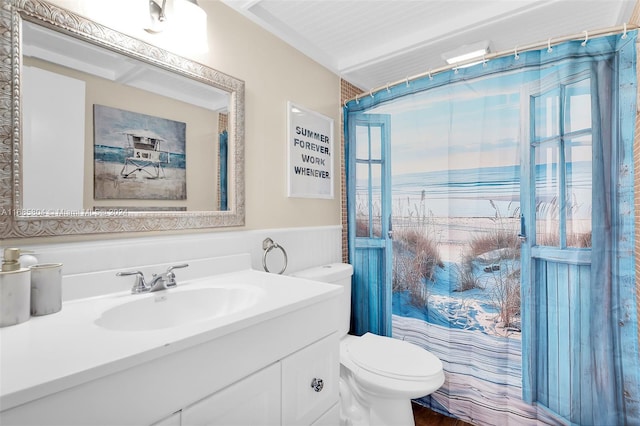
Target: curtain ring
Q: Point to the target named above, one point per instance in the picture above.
(430, 76)
(624, 33)
(371, 93)
(407, 81)
(586, 38)
(484, 61)
(549, 48)
(388, 90)
(267, 245)
(357, 101)
(515, 55)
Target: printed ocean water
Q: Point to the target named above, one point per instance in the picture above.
(112, 154)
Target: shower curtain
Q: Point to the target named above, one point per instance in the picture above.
(511, 204)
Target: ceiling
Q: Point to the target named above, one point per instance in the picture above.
(371, 43)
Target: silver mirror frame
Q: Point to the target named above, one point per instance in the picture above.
(15, 223)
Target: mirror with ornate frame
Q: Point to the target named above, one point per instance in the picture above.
(123, 83)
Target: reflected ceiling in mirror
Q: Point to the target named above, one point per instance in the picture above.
(132, 77)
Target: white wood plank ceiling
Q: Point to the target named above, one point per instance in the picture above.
(374, 42)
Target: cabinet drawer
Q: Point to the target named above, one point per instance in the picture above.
(310, 381)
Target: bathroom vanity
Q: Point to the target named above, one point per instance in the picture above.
(265, 353)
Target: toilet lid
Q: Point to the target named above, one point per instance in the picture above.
(393, 358)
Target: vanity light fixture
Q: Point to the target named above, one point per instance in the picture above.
(158, 16)
(178, 25)
(466, 53)
(186, 14)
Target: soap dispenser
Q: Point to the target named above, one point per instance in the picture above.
(15, 289)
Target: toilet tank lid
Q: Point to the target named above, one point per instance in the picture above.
(329, 273)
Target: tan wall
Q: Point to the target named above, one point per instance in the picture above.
(274, 73)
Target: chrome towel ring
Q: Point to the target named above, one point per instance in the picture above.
(267, 245)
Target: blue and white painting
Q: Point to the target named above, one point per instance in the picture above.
(138, 156)
(496, 218)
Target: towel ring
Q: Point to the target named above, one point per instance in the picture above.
(267, 245)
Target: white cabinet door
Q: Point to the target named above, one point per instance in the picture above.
(310, 381)
(330, 418)
(254, 400)
(172, 420)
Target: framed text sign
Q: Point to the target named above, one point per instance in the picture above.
(310, 153)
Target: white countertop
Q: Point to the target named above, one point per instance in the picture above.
(54, 352)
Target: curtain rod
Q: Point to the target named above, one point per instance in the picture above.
(585, 35)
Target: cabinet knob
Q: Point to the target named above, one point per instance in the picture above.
(317, 384)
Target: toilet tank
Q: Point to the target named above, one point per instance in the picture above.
(338, 274)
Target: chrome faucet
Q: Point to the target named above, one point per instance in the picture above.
(158, 282)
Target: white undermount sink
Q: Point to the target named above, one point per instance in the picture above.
(178, 306)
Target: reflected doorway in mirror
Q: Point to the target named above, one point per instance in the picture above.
(138, 156)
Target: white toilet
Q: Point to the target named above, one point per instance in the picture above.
(378, 375)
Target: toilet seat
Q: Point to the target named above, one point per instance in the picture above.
(393, 358)
(391, 368)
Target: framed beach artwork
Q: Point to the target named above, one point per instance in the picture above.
(138, 156)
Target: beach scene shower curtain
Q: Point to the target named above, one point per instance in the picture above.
(511, 205)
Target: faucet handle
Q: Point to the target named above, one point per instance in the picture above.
(171, 268)
(140, 286)
(171, 277)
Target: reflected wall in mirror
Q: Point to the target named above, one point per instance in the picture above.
(64, 171)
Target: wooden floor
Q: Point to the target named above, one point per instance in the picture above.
(425, 417)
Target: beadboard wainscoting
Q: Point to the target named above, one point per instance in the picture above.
(89, 262)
